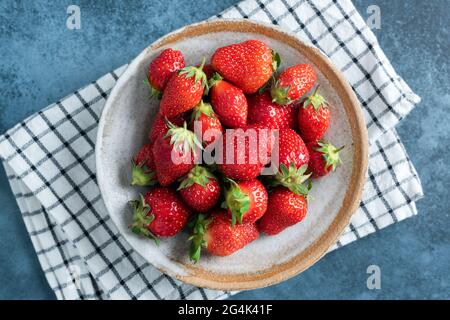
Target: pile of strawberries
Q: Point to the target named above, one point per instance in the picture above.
(212, 107)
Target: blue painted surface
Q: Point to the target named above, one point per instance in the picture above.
(42, 61)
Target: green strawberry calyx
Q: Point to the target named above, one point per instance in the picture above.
(197, 73)
(202, 108)
(330, 154)
(153, 91)
(182, 136)
(199, 227)
(280, 94)
(214, 79)
(293, 178)
(316, 100)
(236, 201)
(141, 175)
(142, 219)
(276, 60)
(198, 175)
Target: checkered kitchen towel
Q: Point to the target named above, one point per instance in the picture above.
(49, 160)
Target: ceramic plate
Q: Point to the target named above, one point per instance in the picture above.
(126, 120)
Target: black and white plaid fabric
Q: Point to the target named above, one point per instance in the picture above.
(49, 160)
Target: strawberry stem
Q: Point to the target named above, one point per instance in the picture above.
(141, 175)
(198, 175)
(276, 60)
(214, 79)
(317, 89)
(279, 94)
(197, 73)
(182, 136)
(293, 178)
(199, 226)
(202, 64)
(202, 108)
(316, 100)
(237, 202)
(330, 154)
(142, 219)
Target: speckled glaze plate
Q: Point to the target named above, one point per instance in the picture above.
(126, 120)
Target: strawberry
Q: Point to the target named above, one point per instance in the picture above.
(261, 110)
(161, 68)
(229, 102)
(242, 153)
(293, 83)
(292, 178)
(160, 128)
(323, 158)
(265, 136)
(291, 149)
(183, 91)
(204, 117)
(143, 167)
(200, 190)
(248, 65)
(293, 157)
(161, 213)
(208, 70)
(285, 209)
(218, 236)
(246, 201)
(175, 153)
(314, 117)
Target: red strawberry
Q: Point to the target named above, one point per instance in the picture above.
(285, 209)
(143, 167)
(160, 214)
(323, 158)
(293, 83)
(292, 178)
(204, 117)
(291, 149)
(242, 153)
(183, 91)
(229, 102)
(160, 128)
(265, 135)
(314, 117)
(261, 110)
(200, 190)
(248, 65)
(293, 157)
(218, 235)
(161, 68)
(175, 154)
(246, 201)
(208, 70)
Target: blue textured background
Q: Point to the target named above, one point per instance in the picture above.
(42, 61)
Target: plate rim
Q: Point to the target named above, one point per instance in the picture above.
(310, 255)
